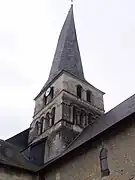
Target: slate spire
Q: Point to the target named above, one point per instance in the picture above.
(67, 56)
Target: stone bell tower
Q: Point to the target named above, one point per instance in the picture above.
(67, 103)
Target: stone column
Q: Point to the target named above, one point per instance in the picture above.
(71, 117)
(50, 119)
(86, 120)
(78, 117)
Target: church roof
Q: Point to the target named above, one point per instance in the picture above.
(11, 156)
(67, 56)
(20, 140)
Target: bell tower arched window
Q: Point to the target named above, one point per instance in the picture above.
(47, 121)
(42, 125)
(104, 162)
(53, 116)
(48, 96)
(79, 91)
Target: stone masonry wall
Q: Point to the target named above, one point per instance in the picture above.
(120, 142)
(7, 173)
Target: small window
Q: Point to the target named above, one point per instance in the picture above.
(79, 91)
(88, 95)
(104, 163)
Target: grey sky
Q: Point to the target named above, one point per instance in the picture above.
(29, 30)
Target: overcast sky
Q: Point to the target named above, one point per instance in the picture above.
(29, 30)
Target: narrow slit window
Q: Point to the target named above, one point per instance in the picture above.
(104, 162)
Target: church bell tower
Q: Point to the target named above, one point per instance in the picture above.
(67, 103)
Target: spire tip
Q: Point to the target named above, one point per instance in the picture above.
(72, 2)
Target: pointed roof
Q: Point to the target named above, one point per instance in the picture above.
(67, 56)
